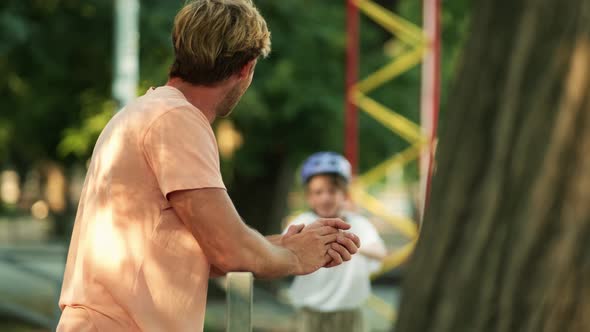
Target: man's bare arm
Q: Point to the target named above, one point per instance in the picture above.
(274, 239)
(230, 245)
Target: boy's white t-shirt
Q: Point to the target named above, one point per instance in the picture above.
(346, 286)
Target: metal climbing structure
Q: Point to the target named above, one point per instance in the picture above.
(420, 45)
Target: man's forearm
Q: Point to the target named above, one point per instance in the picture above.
(228, 243)
(266, 258)
(264, 267)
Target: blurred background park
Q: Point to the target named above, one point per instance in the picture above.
(57, 62)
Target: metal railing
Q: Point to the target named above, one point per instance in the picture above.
(239, 301)
(16, 258)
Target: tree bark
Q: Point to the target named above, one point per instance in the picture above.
(505, 242)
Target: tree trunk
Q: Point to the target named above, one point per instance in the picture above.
(505, 243)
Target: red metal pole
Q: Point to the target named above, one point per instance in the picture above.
(352, 59)
(430, 99)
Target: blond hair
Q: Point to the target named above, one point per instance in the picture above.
(214, 39)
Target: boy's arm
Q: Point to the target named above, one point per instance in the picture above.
(373, 246)
(375, 250)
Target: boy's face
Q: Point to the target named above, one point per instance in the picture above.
(324, 197)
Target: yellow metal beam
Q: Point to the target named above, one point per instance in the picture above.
(400, 64)
(382, 308)
(395, 259)
(400, 125)
(403, 29)
(411, 35)
(398, 160)
(405, 225)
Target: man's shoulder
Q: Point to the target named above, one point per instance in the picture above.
(164, 104)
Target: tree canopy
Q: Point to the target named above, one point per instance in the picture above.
(56, 58)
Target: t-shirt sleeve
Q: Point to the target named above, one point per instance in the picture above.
(182, 151)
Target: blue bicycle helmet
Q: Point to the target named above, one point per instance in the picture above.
(325, 163)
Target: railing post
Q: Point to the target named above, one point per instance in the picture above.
(239, 302)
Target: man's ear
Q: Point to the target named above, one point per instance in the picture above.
(247, 69)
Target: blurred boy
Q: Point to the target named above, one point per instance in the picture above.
(330, 299)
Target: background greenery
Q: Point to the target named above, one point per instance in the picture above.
(56, 64)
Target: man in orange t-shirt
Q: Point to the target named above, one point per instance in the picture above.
(154, 219)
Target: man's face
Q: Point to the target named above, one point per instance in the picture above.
(234, 95)
(230, 101)
(324, 197)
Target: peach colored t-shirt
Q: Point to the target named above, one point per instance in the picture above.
(132, 264)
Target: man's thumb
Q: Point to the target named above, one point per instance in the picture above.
(294, 229)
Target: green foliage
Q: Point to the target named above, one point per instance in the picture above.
(295, 103)
(52, 53)
(56, 60)
(79, 140)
